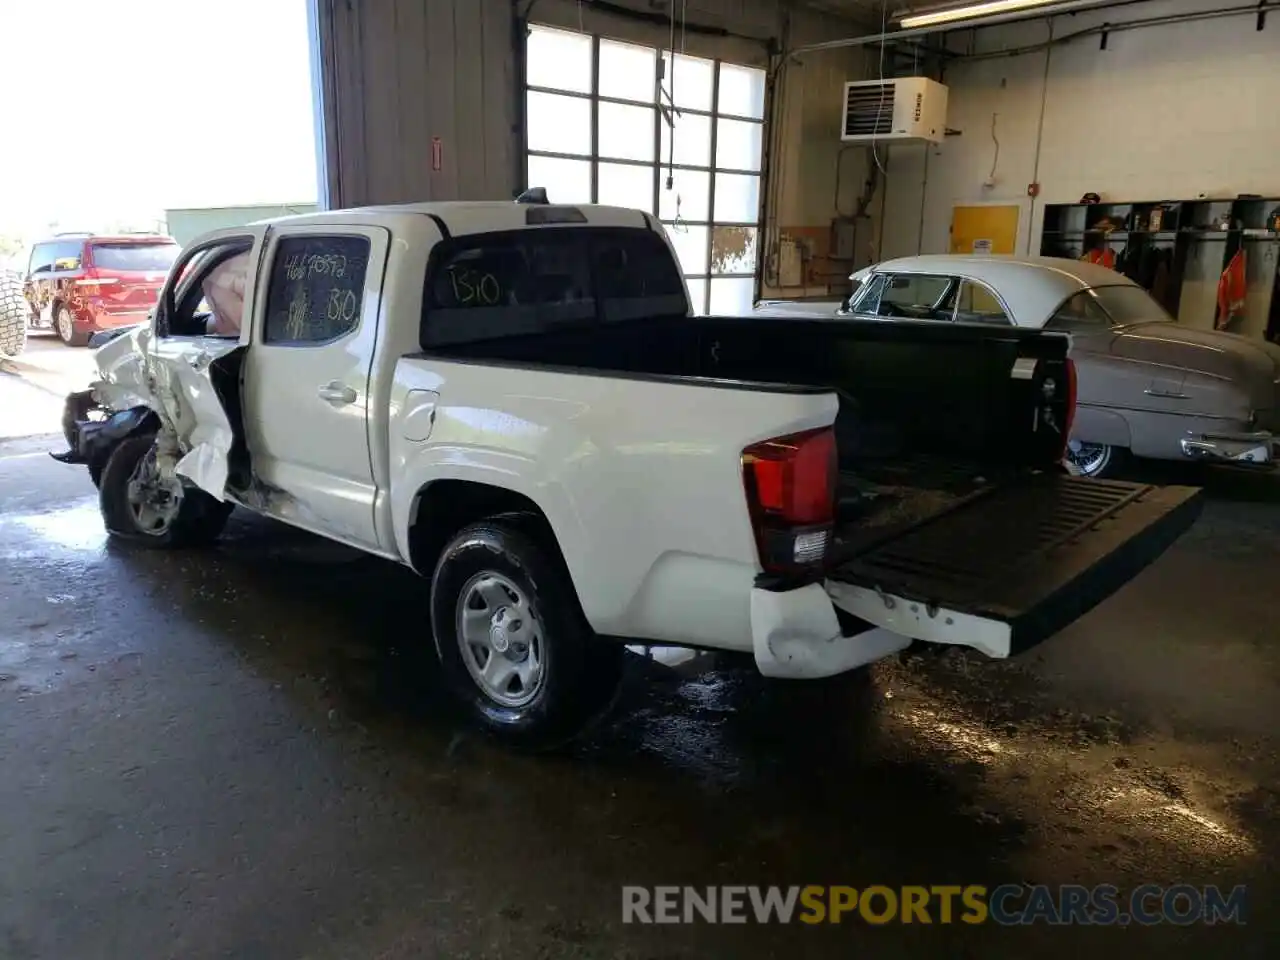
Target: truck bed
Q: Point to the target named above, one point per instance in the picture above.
(951, 499)
(958, 394)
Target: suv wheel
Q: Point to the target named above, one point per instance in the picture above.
(64, 323)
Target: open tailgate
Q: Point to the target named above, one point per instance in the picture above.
(1010, 566)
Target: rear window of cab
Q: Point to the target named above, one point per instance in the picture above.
(529, 281)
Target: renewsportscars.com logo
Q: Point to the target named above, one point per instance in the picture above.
(1011, 904)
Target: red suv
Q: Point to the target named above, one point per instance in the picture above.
(78, 284)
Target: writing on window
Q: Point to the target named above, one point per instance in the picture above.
(317, 288)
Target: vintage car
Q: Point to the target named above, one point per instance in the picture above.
(1147, 386)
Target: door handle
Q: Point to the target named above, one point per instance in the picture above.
(335, 392)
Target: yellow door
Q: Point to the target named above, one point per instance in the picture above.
(984, 229)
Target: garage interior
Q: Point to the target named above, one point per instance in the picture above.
(245, 753)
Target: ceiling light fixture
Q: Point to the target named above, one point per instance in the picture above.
(968, 11)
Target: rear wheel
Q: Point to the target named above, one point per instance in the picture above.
(64, 324)
(13, 316)
(140, 504)
(1095, 459)
(517, 653)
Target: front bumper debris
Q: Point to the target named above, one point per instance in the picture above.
(1259, 449)
(89, 437)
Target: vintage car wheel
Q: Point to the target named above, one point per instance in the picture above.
(140, 505)
(516, 651)
(1093, 459)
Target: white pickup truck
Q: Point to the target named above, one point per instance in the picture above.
(514, 400)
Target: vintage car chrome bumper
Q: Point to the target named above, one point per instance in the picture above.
(1260, 449)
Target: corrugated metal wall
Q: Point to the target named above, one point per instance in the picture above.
(396, 74)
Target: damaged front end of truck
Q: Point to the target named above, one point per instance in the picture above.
(188, 398)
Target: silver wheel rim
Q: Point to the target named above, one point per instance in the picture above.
(66, 330)
(1087, 459)
(153, 501)
(500, 638)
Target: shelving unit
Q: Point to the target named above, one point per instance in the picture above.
(1192, 245)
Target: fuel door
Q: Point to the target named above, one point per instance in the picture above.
(419, 415)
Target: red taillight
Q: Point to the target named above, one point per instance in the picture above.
(791, 490)
(93, 279)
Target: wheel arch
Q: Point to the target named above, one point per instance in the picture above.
(443, 507)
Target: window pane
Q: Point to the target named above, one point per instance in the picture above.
(739, 144)
(567, 181)
(733, 250)
(732, 297)
(626, 186)
(626, 132)
(691, 247)
(627, 72)
(737, 198)
(979, 305)
(741, 91)
(316, 288)
(692, 140)
(689, 82)
(559, 60)
(688, 198)
(155, 257)
(558, 124)
(527, 281)
(916, 297)
(698, 296)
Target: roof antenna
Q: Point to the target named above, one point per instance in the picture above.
(533, 195)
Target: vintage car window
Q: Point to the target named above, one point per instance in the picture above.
(316, 290)
(1078, 312)
(977, 303)
(1129, 304)
(867, 298)
(910, 296)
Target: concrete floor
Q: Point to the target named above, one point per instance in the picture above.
(243, 753)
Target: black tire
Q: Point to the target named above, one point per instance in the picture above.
(200, 517)
(77, 338)
(580, 672)
(13, 316)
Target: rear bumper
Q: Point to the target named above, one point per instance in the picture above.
(1259, 449)
(796, 635)
(91, 317)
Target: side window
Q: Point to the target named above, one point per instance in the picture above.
(977, 304)
(911, 296)
(42, 257)
(1079, 312)
(316, 289)
(207, 298)
(867, 299)
(66, 254)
